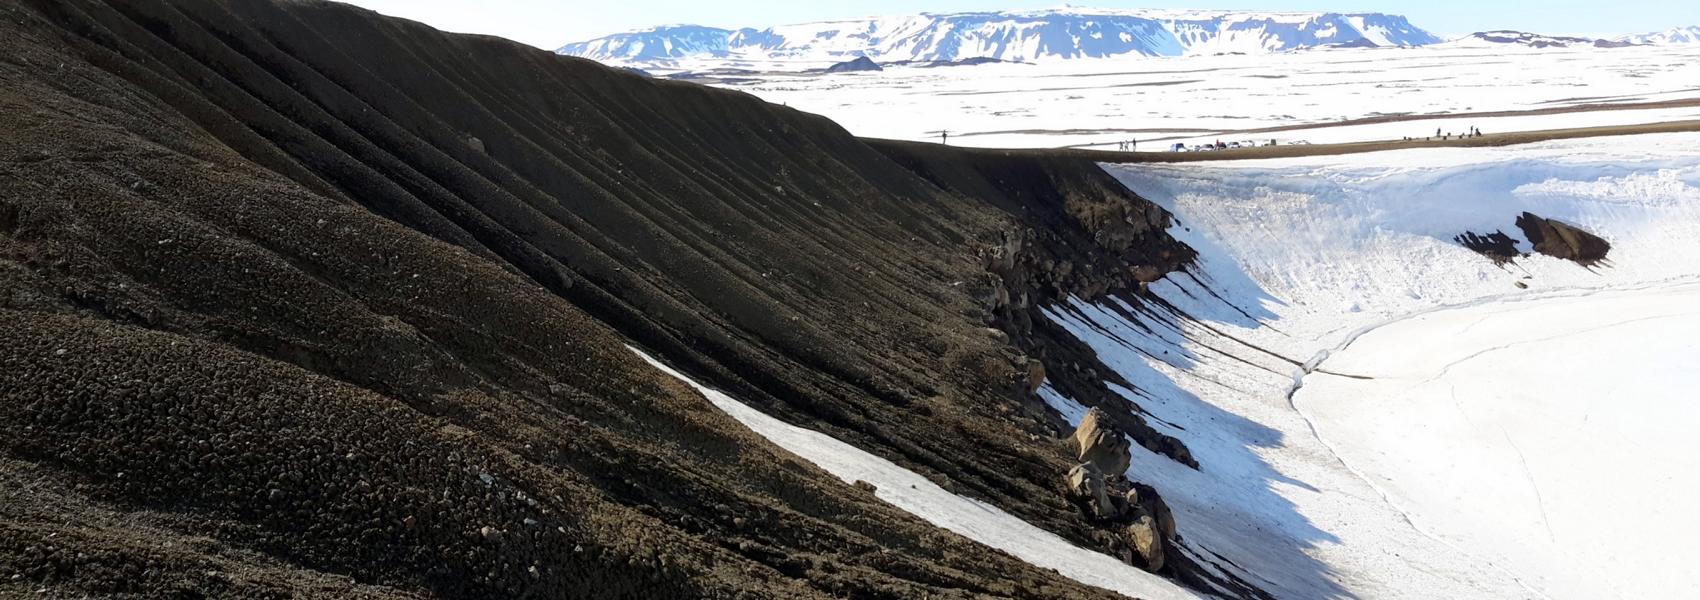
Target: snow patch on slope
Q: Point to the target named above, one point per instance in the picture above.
(919, 496)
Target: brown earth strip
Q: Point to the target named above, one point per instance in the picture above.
(1302, 150)
(1070, 89)
(1406, 117)
(1083, 131)
(1532, 112)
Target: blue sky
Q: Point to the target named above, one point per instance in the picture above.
(551, 23)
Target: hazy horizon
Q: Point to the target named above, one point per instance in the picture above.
(551, 24)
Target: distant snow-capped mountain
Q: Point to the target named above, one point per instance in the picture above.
(1678, 35)
(654, 45)
(1015, 36)
(1532, 40)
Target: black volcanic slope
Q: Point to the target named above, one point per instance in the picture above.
(297, 300)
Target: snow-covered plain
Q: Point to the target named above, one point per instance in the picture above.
(1100, 102)
(918, 495)
(1302, 256)
(1547, 436)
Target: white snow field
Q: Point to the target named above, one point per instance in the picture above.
(1158, 101)
(1571, 385)
(1547, 436)
(918, 495)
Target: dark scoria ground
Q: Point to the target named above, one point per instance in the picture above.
(296, 300)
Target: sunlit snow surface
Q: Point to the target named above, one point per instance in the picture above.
(1420, 502)
(918, 495)
(1158, 101)
(1555, 437)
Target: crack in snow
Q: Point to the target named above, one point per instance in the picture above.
(1447, 369)
(1323, 356)
(1388, 499)
(1529, 475)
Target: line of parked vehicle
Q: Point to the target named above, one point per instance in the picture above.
(1220, 145)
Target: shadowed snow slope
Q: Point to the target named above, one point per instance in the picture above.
(1297, 257)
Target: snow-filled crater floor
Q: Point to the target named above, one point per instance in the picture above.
(1382, 413)
(1553, 437)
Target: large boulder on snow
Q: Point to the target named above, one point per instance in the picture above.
(1150, 527)
(1563, 240)
(1146, 542)
(1139, 522)
(1100, 443)
(1144, 499)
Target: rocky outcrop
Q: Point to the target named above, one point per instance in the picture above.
(1087, 483)
(1562, 240)
(1101, 444)
(1152, 533)
(1035, 375)
(1139, 527)
(1078, 234)
(1081, 234)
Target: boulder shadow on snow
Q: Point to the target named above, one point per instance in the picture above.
(1497, 246)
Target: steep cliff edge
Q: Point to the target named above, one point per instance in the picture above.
(1077, 233)
(336, 305)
